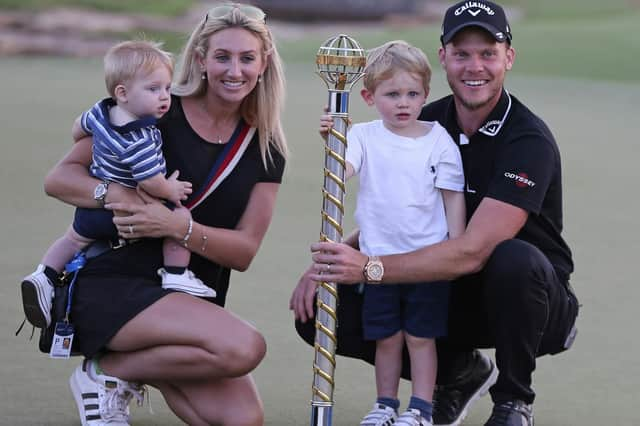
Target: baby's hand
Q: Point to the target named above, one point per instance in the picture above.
(180, 189)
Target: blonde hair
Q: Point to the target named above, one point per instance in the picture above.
(128, 59)
(398, 55)
(263, 106)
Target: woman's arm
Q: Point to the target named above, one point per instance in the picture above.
(70, 181)
(233, 248)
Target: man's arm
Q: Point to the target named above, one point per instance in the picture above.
(493, 222)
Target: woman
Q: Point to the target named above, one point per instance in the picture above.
(131, 330)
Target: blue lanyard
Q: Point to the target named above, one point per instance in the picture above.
(73, 267)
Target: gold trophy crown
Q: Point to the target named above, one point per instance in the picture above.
(341, 61)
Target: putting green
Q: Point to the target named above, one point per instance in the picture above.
(595, 124)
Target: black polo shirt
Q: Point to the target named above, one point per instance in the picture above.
(513, 158)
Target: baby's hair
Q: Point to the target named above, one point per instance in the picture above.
(398, 55)
(128, 59)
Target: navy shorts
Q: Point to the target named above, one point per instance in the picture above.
(95, 224)
(419, 309)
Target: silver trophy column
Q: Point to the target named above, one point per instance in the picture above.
(340, 61)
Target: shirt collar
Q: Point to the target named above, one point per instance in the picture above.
(108, 103)
(495, 120)
(498, 116)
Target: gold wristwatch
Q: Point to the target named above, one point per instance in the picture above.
(373, 270)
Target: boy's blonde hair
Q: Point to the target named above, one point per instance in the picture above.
(398, 55)
(128, 59)
(263, 106)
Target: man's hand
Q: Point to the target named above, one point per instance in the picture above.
(303, 297)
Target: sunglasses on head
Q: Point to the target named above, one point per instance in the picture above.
(249, 11)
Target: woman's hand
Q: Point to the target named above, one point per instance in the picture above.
(151, 220)
(303, 297)
(336, 263)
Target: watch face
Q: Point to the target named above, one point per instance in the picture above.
(100, 191)
(375, 271)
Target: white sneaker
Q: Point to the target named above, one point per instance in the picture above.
(412, 417)
(37, 293)
(186, 282)
(380, 415)
(101, 399)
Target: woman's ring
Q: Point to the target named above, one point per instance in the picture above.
(130, 229)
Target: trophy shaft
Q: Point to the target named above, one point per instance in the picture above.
(340, 62)
(321, 415)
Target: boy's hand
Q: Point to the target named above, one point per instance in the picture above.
(326, 123)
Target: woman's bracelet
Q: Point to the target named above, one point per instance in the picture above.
(185, 239)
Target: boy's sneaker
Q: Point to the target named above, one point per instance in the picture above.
(186, 283)
(451, 403)
(37, 293)
(511, 413)
(101, 399)
(380, 415)
(412, 417)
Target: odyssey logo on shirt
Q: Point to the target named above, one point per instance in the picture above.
(521, 179)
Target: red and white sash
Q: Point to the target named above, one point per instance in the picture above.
(227, 160)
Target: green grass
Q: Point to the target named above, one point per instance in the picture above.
(603, 48)
(570, 9)
(587, 39)
(153, 7)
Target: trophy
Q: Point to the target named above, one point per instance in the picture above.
(340, 61)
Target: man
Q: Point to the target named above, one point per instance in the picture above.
(510, 268)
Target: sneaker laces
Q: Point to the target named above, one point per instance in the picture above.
(140, 392)
(116, 401)
(380, 415)
(411, 417)
(114, 406)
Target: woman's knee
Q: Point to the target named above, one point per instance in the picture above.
(244, 355)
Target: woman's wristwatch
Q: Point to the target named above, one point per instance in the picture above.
(100, 193)
(373, 270)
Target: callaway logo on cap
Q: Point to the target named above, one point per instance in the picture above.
(484, 14)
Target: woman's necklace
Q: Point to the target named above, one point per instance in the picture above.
(218, 140)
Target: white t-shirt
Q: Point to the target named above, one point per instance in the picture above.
(399, 207)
